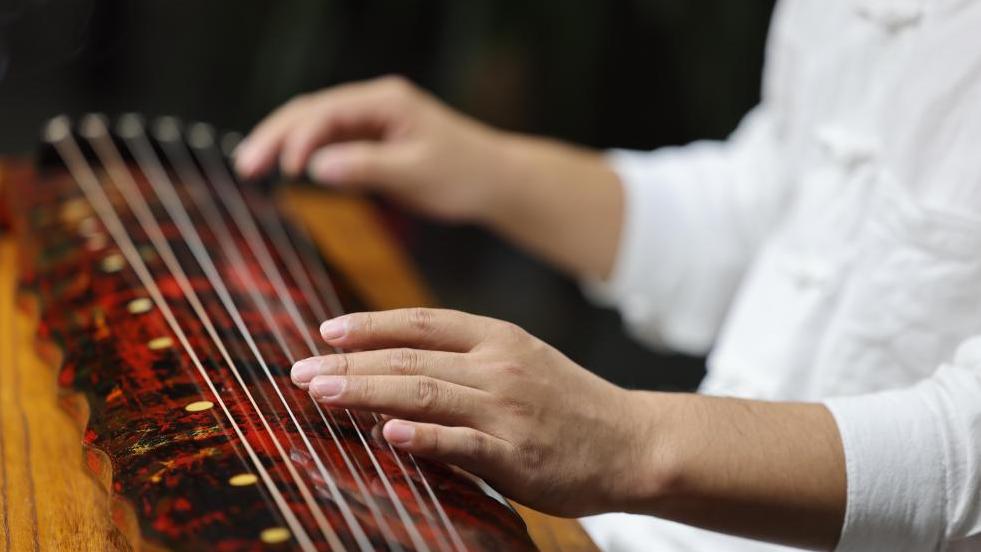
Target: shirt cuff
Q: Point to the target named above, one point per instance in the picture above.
(895, 470)
(650, 256)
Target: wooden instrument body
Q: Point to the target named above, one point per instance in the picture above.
(47, 499)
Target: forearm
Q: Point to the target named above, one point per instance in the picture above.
(769, 471)
(559, 202)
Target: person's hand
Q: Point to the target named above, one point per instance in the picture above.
(384, 135)
(387, 136)
(488, 397)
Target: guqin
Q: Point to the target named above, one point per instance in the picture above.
(177, 299)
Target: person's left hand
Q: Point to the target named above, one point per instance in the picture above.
(488, 397)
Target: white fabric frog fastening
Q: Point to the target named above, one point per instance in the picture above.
(892, 15)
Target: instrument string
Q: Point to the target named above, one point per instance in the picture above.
(168, 134)
(332, 301)
(221, 178)
(250, 227)
(98, 137)
(166, 192)
(354, 467)
(327, 304)
(215, 221)
(179, 157)
(58, 133)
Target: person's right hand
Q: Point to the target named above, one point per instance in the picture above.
(384, 135)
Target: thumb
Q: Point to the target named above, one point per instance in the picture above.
(356, 165)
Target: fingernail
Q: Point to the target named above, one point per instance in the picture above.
(327, 387)
(304, 370)
(333, 329)
(399, 433)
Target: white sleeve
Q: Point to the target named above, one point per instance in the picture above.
(694, 216)
(913, 460)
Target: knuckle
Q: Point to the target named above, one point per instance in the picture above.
(299, 142)
(363, 323)
(397, 84)
(434, 444)
(516, 407)
(420, 319)
(531, 454)
(342, 364)
(300, 100)
(512, 331)
(511, 369)
(403, 362)
(427, 394)
(359, 390)
(399, 91)
(476, 444)
(357, 166)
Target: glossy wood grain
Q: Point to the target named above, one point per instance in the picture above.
(48, 499)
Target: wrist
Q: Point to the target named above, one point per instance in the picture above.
(509, 168)
(654, 468)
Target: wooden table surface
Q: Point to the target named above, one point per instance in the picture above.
(49, 500)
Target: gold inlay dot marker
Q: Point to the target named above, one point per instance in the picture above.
(159, 343)
(74, 210)
(242, 480)
(88, 227)
(113, 263)
(198, 406)
(139, 306)
(275, 535)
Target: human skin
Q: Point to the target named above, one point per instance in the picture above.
(485, 395)
(560, 202)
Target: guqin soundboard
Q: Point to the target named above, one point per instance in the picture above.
(174, 299)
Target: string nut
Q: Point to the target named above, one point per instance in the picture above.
(130, 126)
(57, 129)
(201, 135)
(93, 125)
(167, 129)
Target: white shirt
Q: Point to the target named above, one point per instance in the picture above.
(830, 250)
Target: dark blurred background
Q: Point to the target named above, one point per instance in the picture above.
(625, 73)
